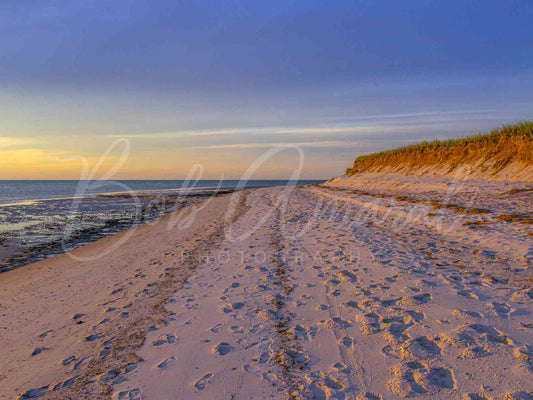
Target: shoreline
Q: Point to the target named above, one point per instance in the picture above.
(302, 304)
(38, 229)
(16, 256)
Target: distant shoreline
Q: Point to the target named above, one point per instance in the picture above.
(16, 256)
(189, 187)
(30, 229)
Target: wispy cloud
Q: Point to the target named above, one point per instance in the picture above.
(12, 143)
(416, 115)
(319, 130)
(320, 144)
(382, 124)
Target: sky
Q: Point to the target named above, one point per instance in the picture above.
(172, 84)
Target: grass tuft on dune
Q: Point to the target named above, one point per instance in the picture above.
(500, 147)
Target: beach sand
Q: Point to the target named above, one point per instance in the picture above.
(330, 292)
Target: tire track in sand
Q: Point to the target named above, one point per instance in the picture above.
(357, 386)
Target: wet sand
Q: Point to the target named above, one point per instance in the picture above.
(8, 249)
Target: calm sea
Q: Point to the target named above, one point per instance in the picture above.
(16, 191)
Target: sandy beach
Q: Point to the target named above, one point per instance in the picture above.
(326, 292)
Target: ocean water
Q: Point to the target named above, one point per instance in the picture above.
(40, 219)
(17, 191)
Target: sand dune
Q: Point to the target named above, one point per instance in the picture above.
(336, 293)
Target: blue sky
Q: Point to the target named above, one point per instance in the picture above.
(221, 82)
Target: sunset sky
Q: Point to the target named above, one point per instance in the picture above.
(219, 83)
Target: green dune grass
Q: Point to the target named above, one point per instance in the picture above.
(501, 146)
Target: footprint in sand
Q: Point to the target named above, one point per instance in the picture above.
(389, 302)
(79, 363)
(394, 333)
(369, 323)
(412, 378)
(502, 309)
(222, 348)
(477, 335)
(236, 329)
(476, 396)
(69, 360)
(164, 364)
(347, 341)
(341, 323)
(333, 383)
(347, 276)
(415, 315)
(231, 307)
(472, 353)
(92, 338)
(34, 393)
(421, 348)
(305, 332)
(422, 298)
(164, 339)
(436, 379)
(133, 394)
(351, 303)
(466, 313)
(44, 334)
(38, 350)
(469, 294)
(202, 383)
(341, 367)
